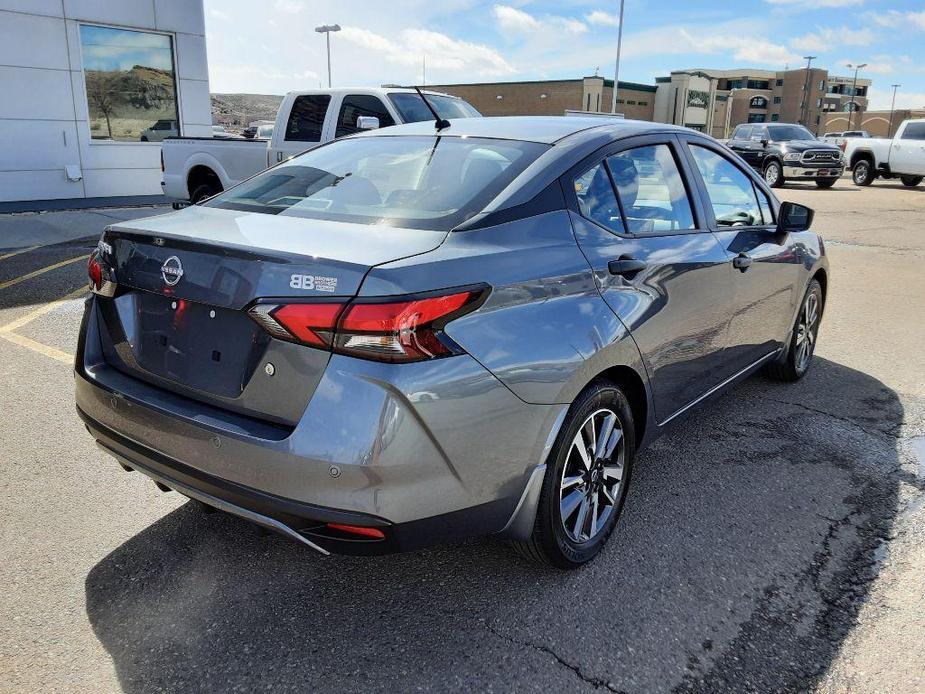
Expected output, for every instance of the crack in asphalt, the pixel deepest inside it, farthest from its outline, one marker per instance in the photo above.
(847, 420)
(595, 682)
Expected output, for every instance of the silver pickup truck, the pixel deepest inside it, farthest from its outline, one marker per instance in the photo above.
(901, 157)
(196, 168)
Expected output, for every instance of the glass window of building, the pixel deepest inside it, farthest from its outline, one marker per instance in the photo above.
(131, 84)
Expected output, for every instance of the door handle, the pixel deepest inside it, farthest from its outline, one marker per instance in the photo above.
(741, 262)
(625, 266)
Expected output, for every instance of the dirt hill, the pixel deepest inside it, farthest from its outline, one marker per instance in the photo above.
(237, 110)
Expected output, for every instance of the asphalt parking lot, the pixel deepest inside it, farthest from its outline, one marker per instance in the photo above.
(774, 541)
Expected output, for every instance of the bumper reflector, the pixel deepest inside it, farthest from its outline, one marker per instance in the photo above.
(374, 533)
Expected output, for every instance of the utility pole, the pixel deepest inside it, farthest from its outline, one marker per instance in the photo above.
(889, 129)
(424, 70)
(804, 103)
(326, 29)
(616, 71)
(854, 92)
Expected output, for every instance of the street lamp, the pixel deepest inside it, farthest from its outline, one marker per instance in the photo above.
(729, 99)
(854, 91)
(805, 103)
(616, 71)
(889, 128)
(326, 29)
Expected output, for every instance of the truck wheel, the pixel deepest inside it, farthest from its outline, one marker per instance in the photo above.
(825, 182)
(202, 192)
(587, 474)
(910, 181)
(774, 174)
(863, 173)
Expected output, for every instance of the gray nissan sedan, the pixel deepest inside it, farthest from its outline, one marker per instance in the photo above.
(425, 333)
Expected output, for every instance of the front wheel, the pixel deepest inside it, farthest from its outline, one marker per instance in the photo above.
(825, 182)
(802, 346)
(910, 181)
(862, 174)
(586, 479)
(774, 174)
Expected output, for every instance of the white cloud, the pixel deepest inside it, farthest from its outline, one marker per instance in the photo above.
(816, 4)
(572, 26)
(747, 49)
(513, 19)
(602, 18)
(895, 19)
(218, 14)
(242, 78)
(827, 38)
(289, 6)
(880, 99)
(443, 52)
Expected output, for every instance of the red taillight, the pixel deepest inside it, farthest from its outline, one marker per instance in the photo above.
(384, 330)
(95, 270)
(374, 533)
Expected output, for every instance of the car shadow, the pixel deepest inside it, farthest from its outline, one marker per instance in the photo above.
(746, 549)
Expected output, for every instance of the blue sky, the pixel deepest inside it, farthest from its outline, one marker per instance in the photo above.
(271, 47)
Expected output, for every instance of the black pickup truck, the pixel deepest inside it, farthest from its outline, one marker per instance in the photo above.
(782, 151)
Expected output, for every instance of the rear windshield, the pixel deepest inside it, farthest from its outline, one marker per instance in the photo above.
(413, 109)
(414, 182)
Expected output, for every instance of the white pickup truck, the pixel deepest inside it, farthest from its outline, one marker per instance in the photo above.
(196, 168)
(902, 157)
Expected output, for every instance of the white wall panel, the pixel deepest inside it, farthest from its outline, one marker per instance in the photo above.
(106, 182)
(180, 15)
(191, 56)
(35, 94)
(37, 144)
(197, 107)
(32, 41)
(37, 185)
(197, 130)
(119, 155)
(51, 8)
(134, 13)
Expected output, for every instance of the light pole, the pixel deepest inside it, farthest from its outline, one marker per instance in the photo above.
(616, 71)
(729, 100)
(326, 29)
(803, 104)
(854, 91)
(889, 128)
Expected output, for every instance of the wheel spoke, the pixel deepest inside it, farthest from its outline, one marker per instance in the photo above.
(578, 530)
(569, 482)
(607, 427)
(615, 439)
(579, 443)
(607, 495)
(568, 505)
(594, 508)
(614, 472)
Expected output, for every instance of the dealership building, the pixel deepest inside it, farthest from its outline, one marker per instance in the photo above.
(715, 101)
(90, 89)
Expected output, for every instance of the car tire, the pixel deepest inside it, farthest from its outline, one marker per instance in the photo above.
(799, 357)
(774, 174)
(825, 182)
(570, 542)
(862, 174)
(910, 181)
(202, 192)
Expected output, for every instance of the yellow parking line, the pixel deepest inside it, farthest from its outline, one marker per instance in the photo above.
(41, 271)
(41, 310)
(21, 250)
(31, 344)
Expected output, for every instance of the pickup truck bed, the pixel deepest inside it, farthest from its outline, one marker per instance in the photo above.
(195, 167)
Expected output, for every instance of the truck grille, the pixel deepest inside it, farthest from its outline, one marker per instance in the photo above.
(822, 156)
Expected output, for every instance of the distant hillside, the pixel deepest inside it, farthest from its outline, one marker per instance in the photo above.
(237, 110)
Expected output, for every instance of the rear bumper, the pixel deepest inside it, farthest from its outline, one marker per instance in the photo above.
(813, 172)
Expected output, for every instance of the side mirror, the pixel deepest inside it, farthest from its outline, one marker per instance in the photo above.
(367, 123)
(794, 217)
(764, 142)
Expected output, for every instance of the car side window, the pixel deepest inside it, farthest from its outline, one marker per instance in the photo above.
(759, 133)
(306, 119)
(596, 199)
(356, 105)
(914, 131)
(651, 190)
(764, 202)
(730, 190)
(741, 132)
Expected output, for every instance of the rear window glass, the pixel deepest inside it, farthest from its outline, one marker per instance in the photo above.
(415, 182)
(307, 117)
(413, 109)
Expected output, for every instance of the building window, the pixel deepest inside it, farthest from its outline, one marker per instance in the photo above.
(776, 99)
(131, 84)
(756, 117)
(643, 103)
(850, 106)
(758, 102)
(759, 84)
(775, 116)
(779, 83)
(821, 85)
(818, 103)
(630, 103)
(735, 84)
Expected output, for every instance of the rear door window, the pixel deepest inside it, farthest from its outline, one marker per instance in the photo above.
(356, 105)
(306, 119)
(915, 130)
(597, 200)
(651, 190)
(731, 192)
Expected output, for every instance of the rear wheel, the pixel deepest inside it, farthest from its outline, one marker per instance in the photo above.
(803, 341)
(202, 192)
(825, 182)
(910, 181)
(774, 174)
(586, 479)
(863, 173)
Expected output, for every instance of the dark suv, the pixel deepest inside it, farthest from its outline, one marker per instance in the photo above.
(782, 151)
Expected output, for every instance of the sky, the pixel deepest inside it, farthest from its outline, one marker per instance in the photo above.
(271, 47)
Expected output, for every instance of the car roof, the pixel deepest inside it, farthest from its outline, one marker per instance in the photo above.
(378, 91)
(542, 129)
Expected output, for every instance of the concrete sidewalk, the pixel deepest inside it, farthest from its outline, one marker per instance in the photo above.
(29, 229)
